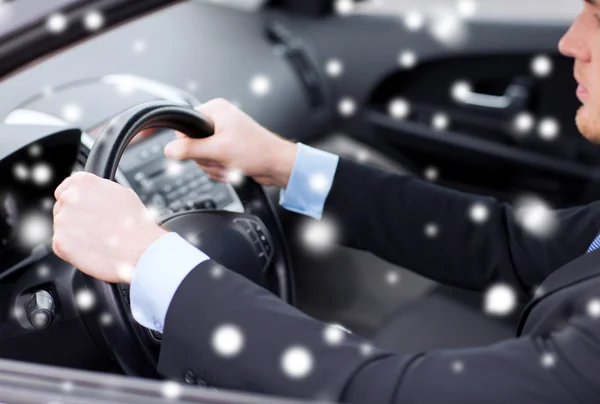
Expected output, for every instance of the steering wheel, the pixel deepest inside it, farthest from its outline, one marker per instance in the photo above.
(242, 242)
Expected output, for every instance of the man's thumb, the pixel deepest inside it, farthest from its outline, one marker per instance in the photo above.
(183, 149)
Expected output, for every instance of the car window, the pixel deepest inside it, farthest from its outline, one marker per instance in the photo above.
(543, 10)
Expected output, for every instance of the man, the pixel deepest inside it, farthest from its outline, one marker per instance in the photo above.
(275, 349)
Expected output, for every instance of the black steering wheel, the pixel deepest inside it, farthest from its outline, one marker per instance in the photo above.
(250, 244)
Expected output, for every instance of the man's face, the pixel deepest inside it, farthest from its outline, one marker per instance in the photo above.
(582, 42)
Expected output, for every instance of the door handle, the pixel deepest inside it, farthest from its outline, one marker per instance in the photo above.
(515, 97)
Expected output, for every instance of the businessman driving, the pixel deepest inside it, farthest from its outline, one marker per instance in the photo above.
(554, 358)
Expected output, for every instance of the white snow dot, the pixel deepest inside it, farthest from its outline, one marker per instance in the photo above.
(67, 386)
(524, 122)
(399, 108)
(85, 299)
(152, 213)
(43, 271)
(125, 273)
(431, 173)
(228, 340)
(235, 177)
(21, 172)
(466, 8)
(362, 156)
(171, 390)
(461, 90)
(48, 203)
(414, 20)
(260, 85)
(548, 360)
(35, 150)
(535, 216)
(407, 59)
(174, 168)
(72, 113)
(93, 20)
(479, 213)
(318, 235)
(431, 230)
(297, 362)
(18, 312)
(392, 277)
(34, 229)
(593, 308)
(57, 23)
(347, 107)
(344, 7)
(41, 174)
(192, 86)
(334, 68)
(447, 26)
(106, 319)
(139, 46)
(457, 367)
(500, 300)
(366, 349)
(47, 91)
(440, 121)
(333, 334)
(216, 272)
(318, 182)
(541, 66)
(549, 128)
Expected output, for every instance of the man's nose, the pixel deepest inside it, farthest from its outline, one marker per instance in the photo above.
(574, 42)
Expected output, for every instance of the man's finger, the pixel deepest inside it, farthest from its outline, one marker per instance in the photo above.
(56, 209)
(185, 149)
(62, 187)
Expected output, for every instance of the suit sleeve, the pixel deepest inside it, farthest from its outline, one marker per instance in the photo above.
(286, 353)
(428, 229)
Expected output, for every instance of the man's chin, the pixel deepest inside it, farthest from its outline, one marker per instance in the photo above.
(588, 124)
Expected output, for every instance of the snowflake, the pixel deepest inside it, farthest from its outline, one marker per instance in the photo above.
(399, 108)
(171, 390)
(235, 177)
(407, 59)
(548, 360)
(593, 308)
(414, 20)
(21, 172)
(344, 7)
(347, 107)
(392, 277)
(461, 90)
(260, 85)
(93, 20)
(431, 230)
(549, 128)
(57, 23)
(535, 216)
(541, 66)
(72, 113)
(34, 229)
(297, 362)
(479, 212)
(524, 122)
(319, 183)
(85, 299)
(228, 340)
(334, 334)
(440, 121)
(431, 173)
(457, 367)
(41, 174)
(500, 300)
(334, 68)
(319, 235)
(466, 8)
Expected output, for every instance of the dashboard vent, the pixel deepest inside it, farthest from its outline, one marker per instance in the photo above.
(290, 47)
(82, 156)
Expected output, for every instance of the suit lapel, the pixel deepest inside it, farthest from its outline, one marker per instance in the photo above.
(585, 267)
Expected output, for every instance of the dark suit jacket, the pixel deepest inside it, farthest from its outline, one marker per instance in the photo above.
(555, 358)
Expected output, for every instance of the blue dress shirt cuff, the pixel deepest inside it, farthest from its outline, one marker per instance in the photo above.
(310, 181)
(158, 274)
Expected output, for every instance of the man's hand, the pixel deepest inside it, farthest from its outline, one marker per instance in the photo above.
(101, 228)
(239, 144)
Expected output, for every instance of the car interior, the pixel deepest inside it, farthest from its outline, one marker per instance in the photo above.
(363, 86)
